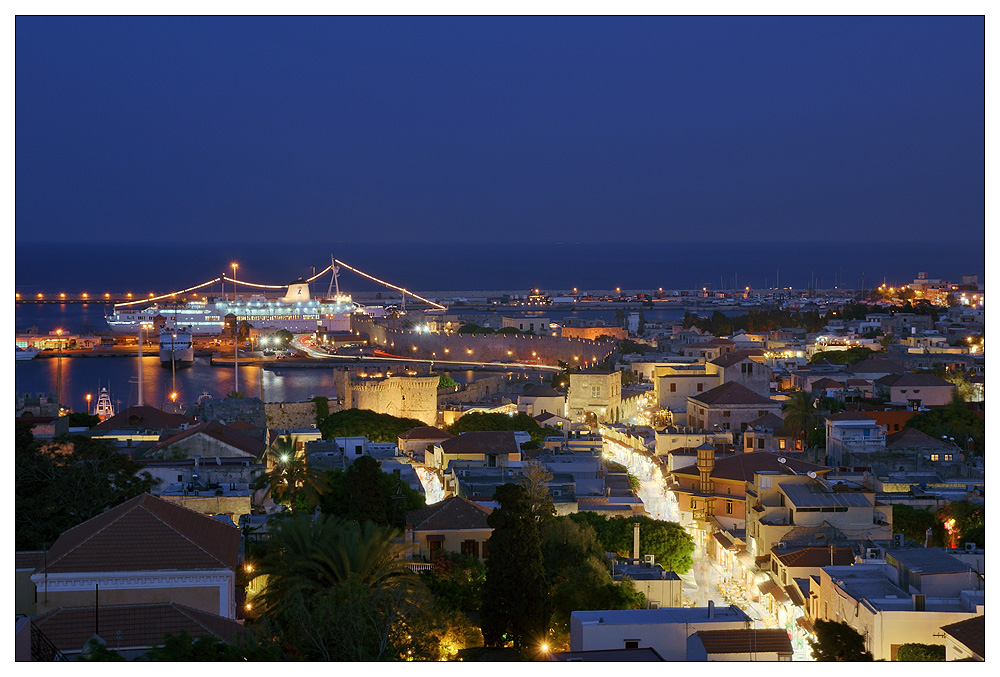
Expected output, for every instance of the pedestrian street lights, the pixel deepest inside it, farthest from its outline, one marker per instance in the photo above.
(88, 404)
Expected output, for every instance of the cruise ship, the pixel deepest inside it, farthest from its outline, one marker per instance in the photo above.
(296, 312)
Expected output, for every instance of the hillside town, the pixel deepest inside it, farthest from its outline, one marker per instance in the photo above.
(777, 477)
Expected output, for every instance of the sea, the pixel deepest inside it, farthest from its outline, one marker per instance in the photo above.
(435, 270)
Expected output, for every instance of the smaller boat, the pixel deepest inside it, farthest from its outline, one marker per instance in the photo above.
(25, 353)
(176, 347)
(104, 409)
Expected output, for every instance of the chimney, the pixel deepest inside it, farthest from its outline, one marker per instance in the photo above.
(635, 541)
(711, 609)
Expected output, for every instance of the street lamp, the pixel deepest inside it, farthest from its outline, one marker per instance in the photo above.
(236, 337)
(88, 404)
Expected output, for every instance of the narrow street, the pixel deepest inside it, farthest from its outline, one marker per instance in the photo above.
(706, 581)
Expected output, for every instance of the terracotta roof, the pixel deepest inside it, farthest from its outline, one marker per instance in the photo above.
(482, 442)
(925, 380)
(729, 359)
(146, 533)
(731, 393)
(29, 559)
(768, 421)
(858, 382)
(452, 513)
(643, 655)
(815, 557)
(229, 436)
(970, 632)
(745, 641)
(426, 432)
(743, 466)
(911, 438)
(826, 383)
(131, 626)
(147, 417)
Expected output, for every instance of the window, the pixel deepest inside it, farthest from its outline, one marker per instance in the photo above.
(357, 449)
(729, 507)
(729, 491)
(726, 414)
(765, 482)
(673, 387)
(760, 443)
(470, 547)
(595, 392)
(934, 457)
(701, 386)
(947, 457)
(781, 444)
(631, 644)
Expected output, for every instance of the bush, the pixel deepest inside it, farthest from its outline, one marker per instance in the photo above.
(921, 652)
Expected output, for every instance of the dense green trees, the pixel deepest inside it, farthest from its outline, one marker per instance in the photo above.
(913, 523)
(954, 420)
(516, 605)
(65, 483)
(482, 421)
(364, 491)
(848, 357)
(921, 652)
(838, 642)
(667, 541)
(362, 422)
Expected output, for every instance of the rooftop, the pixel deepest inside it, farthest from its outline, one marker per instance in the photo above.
(698, 614)
(732, 393)
(740, 641)
(971, 633)
(815, 495)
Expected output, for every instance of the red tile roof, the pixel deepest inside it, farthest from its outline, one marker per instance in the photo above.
(28, 559)
(146, 533)
(131, 626)
(922, 380)
(238, 440)
(452, 513)
(731, 393)
(911, 438)
(815, 557)
(970, 632)
(482, 442)
(729, 359)
(147, 418)
(745, 641)
(743, 466)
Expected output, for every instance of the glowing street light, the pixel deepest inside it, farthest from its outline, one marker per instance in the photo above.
(88, 404)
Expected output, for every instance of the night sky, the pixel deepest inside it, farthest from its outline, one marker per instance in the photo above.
(499, 129)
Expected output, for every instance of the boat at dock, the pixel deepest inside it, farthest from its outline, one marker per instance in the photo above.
(176, 347)
(25, 353)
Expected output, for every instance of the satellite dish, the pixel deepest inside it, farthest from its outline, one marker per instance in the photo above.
(781, 459)
(812, 474)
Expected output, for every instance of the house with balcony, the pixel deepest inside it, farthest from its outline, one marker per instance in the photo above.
(852, 436)
(455, 524)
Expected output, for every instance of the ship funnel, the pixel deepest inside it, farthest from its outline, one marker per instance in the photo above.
(297, 291)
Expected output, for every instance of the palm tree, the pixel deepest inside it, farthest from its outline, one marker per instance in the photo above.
(310, 554)
(289, 474)
(801, 416)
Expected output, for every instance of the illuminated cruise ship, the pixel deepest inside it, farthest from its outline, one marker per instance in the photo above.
(295, 312)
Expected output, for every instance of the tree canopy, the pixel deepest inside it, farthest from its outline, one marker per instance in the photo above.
(67, 482)
(671, 546)
(848, 357)
(364, 422)
(836, 641)
(365, 491)
(516, 604)
(955, 420)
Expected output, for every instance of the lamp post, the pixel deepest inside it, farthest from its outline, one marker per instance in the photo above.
(236, 337)
(88, 404)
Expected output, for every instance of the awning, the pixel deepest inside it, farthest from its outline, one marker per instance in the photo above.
(805, 624)
(746, 559)
(771, 588)
(723, 541)
(795, 594)
(435, 537)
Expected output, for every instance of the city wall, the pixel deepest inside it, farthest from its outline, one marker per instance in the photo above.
(548, 350)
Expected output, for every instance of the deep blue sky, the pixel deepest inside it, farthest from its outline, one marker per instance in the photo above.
(422, 129)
